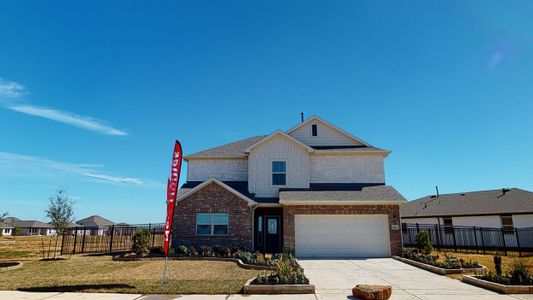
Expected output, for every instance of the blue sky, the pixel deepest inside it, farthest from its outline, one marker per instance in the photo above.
(93, 94)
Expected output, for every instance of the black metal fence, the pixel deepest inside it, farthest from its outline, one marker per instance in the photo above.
(473, 238)
(107, 239)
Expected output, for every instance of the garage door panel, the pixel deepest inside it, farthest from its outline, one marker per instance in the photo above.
(342, 236)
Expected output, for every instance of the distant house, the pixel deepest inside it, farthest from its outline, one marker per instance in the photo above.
(502, 208)
(30, 227)
(6, 229)
(96, 224)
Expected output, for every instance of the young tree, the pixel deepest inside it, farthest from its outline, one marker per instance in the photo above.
(60, 212)
(3, 216)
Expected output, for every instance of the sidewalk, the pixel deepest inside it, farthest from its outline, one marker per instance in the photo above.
(15, 295)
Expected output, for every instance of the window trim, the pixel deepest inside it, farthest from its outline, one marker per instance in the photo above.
(448, 228)
(507, 229)
(273, 173)
(314, 130)
(211, 224)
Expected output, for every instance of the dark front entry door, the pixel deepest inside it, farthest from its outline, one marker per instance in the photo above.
(272, 234)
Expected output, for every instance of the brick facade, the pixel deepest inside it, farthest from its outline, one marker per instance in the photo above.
(213, 199)
(393, 211)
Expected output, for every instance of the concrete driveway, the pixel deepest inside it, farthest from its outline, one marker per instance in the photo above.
(334, 279)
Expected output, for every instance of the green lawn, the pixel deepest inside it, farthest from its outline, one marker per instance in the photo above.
(101, 274)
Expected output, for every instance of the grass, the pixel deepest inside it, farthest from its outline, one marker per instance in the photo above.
(27, 247)
(101, 274)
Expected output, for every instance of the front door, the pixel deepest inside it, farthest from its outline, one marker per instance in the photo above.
(272, 234)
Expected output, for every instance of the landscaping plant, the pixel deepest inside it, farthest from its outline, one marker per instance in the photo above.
(141, 241)
(423, 243)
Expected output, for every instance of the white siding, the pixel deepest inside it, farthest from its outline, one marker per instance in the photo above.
(478, 221)
(260, 166)
(481, 221)
(326, 136)
(522, 221)
(346, 169)
(431, 221)
(222, 169)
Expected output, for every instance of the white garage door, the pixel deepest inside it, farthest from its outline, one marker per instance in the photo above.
(342, 236)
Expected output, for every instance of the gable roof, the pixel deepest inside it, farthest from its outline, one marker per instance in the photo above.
(231, 150)
(382, 194)
(10, 220)
(491, 202)
(30, 223)
(183, 193)
(95, 220)
(316, 118)
(279, 133)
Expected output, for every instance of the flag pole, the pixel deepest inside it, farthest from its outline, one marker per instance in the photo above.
(172, 190)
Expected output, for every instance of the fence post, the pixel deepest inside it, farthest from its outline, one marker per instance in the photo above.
(417, 228)
(83, 240)
(153, 237)
(75, 238)
(503, 241)
(475, 239)
(111, 240)
(437, 237)
(62, 243)
(454, 240)
(517, 242)
(482, 239)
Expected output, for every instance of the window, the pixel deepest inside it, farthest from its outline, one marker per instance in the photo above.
(507, 224)
(272, 226)
(212, 224)
(448, 225)
(279, 173)
(314, 130)
(260, 230)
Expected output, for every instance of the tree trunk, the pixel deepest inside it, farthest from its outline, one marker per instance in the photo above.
(42, 246)
(55, 248)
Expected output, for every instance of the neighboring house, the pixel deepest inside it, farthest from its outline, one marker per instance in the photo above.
(315, 190)
(96, 225)
(30, 227)
(503, 208)
(6, 229)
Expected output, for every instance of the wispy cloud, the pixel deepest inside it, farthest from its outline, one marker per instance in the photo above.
(116, 179)
(494, 60)
(10, 92)
(13, 164)
(67, 118)
(11, 89)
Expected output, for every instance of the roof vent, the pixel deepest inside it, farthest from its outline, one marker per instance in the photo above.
(504, 190)
(433, 196)
(462, 194)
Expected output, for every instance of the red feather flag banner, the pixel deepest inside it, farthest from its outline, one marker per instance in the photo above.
(172, 190)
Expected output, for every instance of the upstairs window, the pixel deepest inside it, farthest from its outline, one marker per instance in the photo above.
(314, 130)
(507, 224)
(448, 225)
(279, 173)
(212, 224)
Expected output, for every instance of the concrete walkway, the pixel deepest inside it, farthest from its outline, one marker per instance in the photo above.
(334, 279)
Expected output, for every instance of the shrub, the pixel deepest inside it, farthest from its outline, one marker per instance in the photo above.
(218, 250)
(192, 251)
(16, 231)
(519, 273)
(423, 242)
(205, 250)
(498, 264)
(141, 241)
(182, 249)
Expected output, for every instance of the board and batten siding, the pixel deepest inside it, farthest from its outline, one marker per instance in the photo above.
(346, 169)
(326, 136)
(260, 166)
(221, 169)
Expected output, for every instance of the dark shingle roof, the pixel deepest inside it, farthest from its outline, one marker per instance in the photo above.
(235, 149)
(5, 225)
(470, 203)
(30, 223)
(369, 193)
(95, 221)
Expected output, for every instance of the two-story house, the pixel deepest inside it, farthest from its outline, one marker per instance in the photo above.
(314, 189)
